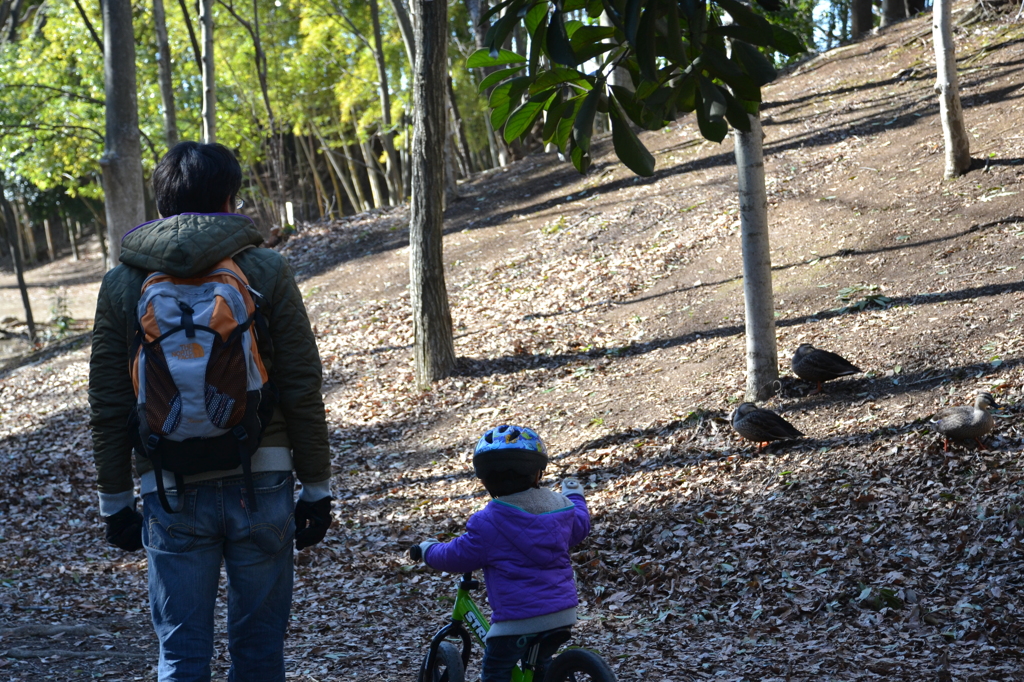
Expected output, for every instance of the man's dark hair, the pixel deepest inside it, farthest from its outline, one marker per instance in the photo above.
(501, 483)
(196, 178)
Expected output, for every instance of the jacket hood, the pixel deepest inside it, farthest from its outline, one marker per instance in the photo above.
(189, 244)
(541, 538)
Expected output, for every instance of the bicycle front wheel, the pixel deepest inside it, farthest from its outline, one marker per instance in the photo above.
(447, 665)
(578, 665)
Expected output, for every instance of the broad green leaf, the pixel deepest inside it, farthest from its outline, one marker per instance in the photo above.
(573, 5)
(522, 119)
(505, 98)
(595, 8)
(497, 8)
(583, 128)
(589, 34)
(754, 63)
(497, 77)
(483, 58)
(580, 159)
(631, 19)
(593, 50)
(686, 100)
(537, 45)
(787, 43)
(743, 86)
(555, 111)
(572, 26)
(500, 30)
(646, 54)
(715, 130)
(556, 76)
(735, 114)
(559, 48)
(537, 14)
(711, 96)
(628, 147)
(744, 16)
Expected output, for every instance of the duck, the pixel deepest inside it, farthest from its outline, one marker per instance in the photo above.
(817, 365)
(966, 422)
(761, 426)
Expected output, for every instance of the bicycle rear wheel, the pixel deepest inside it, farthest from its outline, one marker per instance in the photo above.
(447, 665)
(578, 665)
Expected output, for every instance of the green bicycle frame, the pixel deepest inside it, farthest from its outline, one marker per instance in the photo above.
(468, 617)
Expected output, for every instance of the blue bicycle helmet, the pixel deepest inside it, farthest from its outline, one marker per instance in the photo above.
(509, 448)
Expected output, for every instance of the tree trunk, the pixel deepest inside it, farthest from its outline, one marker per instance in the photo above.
(954, 133)
(122, 159)
(27, 236)
(357, 182)
(460, 129)
(433, 345)
(373, 172)
(209, 82)
(164, 74)
(762, 354)
(333, 162)
(10, 229)
(73, 237)
(893, 11)
(50, 253)
(387, 135)
(318, 183)
(405, 27)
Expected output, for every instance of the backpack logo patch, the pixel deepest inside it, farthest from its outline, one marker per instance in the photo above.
(188, 351)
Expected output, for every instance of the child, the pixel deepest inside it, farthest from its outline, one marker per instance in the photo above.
(521, 539)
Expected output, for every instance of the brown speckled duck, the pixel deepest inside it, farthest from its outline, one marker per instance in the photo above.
(966, 422)
(761, 426)
(816, 365)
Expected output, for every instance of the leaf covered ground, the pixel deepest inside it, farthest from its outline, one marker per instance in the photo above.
(606, 311)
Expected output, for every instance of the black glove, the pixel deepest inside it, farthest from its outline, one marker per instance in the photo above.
(312, 519)
(124, 529)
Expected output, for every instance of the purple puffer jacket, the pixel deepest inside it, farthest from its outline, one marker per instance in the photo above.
(525, 557)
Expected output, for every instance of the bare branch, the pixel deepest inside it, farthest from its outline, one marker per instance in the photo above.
(88, 25)
(65, 93)
(196, 52)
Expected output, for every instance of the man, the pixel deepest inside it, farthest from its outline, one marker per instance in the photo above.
(196, 185)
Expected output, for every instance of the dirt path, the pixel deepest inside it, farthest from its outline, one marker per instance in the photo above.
(606, 311)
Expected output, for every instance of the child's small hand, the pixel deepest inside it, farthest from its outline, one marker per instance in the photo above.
(571, 486)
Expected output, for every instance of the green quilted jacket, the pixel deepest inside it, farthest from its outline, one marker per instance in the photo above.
(186, 246)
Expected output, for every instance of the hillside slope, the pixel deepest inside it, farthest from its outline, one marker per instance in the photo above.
(606, 311)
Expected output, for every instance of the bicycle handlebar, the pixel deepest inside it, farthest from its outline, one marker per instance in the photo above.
(415, 553)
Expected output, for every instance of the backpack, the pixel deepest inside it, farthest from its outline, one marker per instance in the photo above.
(204, 396)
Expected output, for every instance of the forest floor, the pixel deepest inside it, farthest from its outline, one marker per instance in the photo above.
(606, 311)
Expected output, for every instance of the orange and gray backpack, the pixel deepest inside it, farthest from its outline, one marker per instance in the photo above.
(204, 396)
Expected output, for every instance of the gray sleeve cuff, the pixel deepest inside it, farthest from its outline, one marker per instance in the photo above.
(111, 503)
(311, 492)
(425, 545)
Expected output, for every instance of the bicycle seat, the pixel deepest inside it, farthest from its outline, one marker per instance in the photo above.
(555, 638)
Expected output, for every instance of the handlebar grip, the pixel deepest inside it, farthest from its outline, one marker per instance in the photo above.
(415, 553)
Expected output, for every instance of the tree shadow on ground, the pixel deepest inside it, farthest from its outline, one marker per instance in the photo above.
(509, 364)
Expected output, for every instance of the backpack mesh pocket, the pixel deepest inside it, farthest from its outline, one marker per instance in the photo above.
(226, 382)
(163, 400)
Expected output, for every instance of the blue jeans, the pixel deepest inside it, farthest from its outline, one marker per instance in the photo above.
(185, 551)
(502, 653)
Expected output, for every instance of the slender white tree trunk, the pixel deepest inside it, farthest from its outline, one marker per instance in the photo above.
(164, 74)
(122, 159)
(433, 345)
(954, 134)
(762, 354)
(209, 82)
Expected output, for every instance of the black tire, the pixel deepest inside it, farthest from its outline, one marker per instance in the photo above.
(578, 665)
(447, 665)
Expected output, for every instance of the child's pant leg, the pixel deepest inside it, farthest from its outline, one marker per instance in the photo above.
(502, 654)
